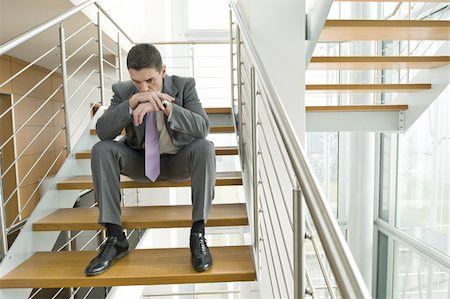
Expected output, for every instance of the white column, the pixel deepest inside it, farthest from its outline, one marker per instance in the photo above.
(361, 166)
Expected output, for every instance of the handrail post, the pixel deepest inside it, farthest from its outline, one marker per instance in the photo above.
(239, 94)
(299, 242)
(119, 54)
(4, 240)
(100, 57)
(255, 182)
(62, 40)
(231, 58)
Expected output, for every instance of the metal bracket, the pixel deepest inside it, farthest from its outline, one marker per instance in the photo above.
(401, 120)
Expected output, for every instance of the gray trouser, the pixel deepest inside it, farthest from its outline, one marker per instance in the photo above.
(111, 158)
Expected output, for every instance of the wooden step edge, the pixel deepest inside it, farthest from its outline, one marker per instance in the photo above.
(140, 267)
(143, 217)
(229, 178)
(220, 151)
(376, 62)
(367, 87)
(356, 108)
(389, 23)
(218, 110)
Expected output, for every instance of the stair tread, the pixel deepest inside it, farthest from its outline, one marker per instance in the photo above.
(384, 107)
(376, 62)
(227, 178)
(139, 267)
(220, 151)
(367, 87)
(341, 30)
(142, 217)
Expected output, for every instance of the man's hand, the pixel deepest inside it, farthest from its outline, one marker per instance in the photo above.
(145, 102)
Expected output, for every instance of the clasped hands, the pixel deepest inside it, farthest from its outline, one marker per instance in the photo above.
(144, 102)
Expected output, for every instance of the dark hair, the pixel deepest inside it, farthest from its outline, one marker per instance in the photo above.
(144, 56)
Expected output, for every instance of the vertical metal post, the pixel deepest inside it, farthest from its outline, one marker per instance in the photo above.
(239, 94)
(4, 236)
(192, 52)
(231, 57)
(119, 54)
(69, 248)
(100, 57)
(62, 41)
(299, 241)
(255, 164)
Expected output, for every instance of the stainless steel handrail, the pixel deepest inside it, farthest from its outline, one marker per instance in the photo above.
(348, 277)
(44, 26)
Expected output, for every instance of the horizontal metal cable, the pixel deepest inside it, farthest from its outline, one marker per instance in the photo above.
(83, 64)
(83, 101)
(57, 293)
(81, 122)
(79, 30)
(109, 50)
(278, 219)
(82, 84)
(92, 238)
(30, 91)
(110, 64)
(70, 240)
(80, 48)
(29, 118)
(29, 144)
(26, 148)
(28, 66)
(40, 182)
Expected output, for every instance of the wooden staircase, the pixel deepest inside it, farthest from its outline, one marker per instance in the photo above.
(140, 266)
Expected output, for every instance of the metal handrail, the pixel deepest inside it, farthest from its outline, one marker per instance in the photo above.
(345, 270)
(54, 21)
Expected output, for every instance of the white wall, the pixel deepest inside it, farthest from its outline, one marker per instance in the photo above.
(278, 31)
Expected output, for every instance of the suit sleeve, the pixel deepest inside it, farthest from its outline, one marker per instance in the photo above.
(115, 118)
(190, 119)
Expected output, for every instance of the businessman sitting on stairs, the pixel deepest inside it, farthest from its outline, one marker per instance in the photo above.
(165, 127)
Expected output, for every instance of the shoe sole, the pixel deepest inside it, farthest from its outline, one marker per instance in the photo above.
(104, 270)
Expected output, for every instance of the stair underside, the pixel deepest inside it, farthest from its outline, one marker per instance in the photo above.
(220, 151)
(346, 30)
(142, 217)
(229, 178)
(366, 87)
(139, 267)
(376, 62)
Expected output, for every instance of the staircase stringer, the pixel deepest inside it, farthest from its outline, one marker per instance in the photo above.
(419, 101)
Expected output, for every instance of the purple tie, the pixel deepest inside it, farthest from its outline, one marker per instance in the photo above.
(151, 147)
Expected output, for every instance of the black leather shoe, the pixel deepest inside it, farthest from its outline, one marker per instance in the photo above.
(112, 250)
(201, 258)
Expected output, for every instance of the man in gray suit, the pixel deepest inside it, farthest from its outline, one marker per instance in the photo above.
(184, 153)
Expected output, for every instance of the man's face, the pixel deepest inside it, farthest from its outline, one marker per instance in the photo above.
(148, 79)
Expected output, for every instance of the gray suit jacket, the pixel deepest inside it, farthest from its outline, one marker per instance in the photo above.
(188, 122)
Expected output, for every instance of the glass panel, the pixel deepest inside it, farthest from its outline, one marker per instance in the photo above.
(417, 277)
(322, 151)
(207, 14)
(382, 266)
(424, 176)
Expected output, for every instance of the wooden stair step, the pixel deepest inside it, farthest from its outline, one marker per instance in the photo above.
(229, 178)
(139, 267)
(376, 62)
(220, 151)
(346, 30)
(142, 217)
(433, 1)
(212, 129)
(366, 87)
(356, 108)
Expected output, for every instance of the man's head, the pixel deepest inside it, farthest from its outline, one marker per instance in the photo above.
(145, 67)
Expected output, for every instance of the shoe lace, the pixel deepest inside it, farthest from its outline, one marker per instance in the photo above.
(201, 245)
(106, 248)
